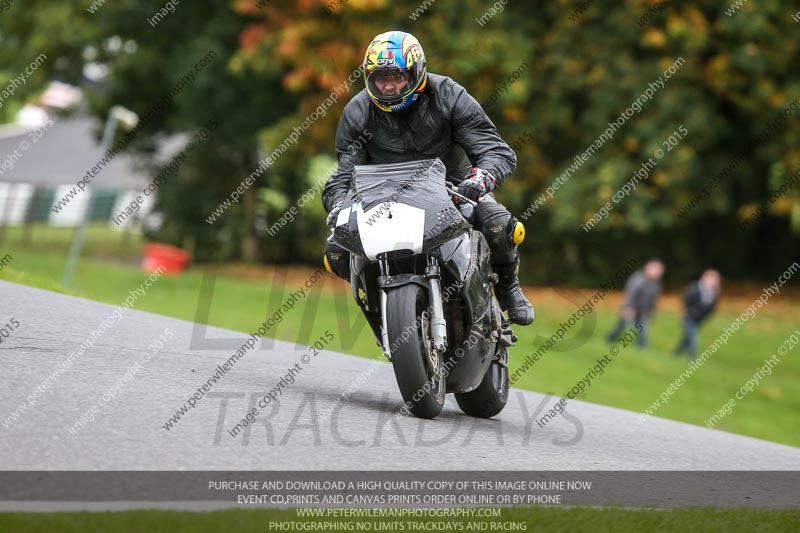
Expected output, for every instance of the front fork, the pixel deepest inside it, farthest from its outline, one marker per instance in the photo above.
(385, 329)
(438, 323)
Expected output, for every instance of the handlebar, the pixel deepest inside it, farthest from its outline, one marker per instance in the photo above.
(453, 191)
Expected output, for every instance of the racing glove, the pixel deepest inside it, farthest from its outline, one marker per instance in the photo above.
(334, 214)
(477, 184)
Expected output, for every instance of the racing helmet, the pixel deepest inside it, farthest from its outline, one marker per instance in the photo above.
(395, 70)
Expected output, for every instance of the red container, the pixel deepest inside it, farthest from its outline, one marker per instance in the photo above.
(172, 258)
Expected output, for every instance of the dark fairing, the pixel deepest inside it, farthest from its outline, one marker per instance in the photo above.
(416, 183)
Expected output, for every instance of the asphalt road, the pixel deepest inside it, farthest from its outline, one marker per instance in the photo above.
(364, 432)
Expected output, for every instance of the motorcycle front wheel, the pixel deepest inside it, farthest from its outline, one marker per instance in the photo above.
(418, 368)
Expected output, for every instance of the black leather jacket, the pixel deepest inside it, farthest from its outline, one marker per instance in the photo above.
(445, 122)
(696, 308)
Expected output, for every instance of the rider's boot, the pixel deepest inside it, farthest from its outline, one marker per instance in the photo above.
(509, 294)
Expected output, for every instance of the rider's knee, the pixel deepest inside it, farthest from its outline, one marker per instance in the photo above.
(504, 234)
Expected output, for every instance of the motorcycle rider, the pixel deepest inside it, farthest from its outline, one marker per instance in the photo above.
(413, 115)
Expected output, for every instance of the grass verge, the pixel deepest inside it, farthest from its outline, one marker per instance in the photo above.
(531, 519)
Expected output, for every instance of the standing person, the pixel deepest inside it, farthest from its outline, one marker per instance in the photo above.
(699, 301)
(641, 294)
(414, 114)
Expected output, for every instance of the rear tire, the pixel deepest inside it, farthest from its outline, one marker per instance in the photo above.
(417, 368)
(491, 395)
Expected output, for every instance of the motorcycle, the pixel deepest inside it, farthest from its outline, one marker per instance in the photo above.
(422, 278)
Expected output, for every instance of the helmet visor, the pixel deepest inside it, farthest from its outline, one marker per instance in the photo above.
(389, 85)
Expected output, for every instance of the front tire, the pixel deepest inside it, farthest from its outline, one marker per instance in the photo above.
(418, 368)
(490, 397)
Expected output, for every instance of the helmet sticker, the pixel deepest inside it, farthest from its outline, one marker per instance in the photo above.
(413, 55)
(386, 59)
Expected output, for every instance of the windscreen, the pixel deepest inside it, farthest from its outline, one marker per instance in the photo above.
(416, 183)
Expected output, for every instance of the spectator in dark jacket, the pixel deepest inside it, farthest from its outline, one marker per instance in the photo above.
(699, 300)
(641, 294)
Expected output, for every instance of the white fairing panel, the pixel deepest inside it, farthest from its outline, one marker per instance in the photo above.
(344, 216)
(390, 226)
